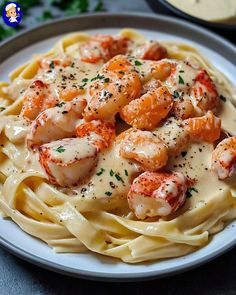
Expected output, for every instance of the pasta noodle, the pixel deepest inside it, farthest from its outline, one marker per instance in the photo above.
(68, 221)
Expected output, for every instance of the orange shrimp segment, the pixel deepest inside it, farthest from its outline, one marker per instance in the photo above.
(36, 99)
(150, 50)
(68, 161)
(143, 147)
(117, 64)
(102, 47)
(113, 91)
(183, 108)
(55, 123)
(70, 93)
(148, 110)
(157, 194)
(205, 128)
(204, 91)
(223, 161)
(105, 132)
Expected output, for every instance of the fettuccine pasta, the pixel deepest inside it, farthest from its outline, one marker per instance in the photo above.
(73, 147)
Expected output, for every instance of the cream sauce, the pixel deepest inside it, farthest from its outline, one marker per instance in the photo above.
(209, 10)
(110, 176)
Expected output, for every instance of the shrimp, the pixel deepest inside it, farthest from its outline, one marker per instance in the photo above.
(223, 161)
(148, 70)
(204, 93)
(102, 48)
(50, 63)
(55, 123)
(36, 99)
(155, 194)
(147, 111)
(173, 134)
(185, 80)
(116, 88)
(183, 108)
(205, 128)
(105, 132)
(68, 161)
(150, 50)
(144, 147)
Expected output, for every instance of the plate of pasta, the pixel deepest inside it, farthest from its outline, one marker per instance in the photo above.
(118, 146)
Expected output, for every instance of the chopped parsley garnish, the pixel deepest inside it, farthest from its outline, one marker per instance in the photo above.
(100, 172)
(2, 109)
(112, 172)
(61, 104)
(108, 193)
(60, 149)
(85, 80)
(176, 94)
(222, 97)
(184, 153)
(117, 176)
(181, 80)
(137, 63)
(181, 71)
(98, 77)
(190, 190)
(52, 65)
(106, 80)
(121, 72)
(82, 86)
(126, 173)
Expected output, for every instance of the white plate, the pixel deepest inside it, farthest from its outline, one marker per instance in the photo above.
(88, 264)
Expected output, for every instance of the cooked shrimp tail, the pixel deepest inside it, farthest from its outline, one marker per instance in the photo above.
(157, 194)
(223, 161)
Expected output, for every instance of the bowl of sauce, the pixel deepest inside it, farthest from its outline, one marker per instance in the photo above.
(218, 15)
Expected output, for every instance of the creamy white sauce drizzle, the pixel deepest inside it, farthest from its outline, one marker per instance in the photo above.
(209, 10)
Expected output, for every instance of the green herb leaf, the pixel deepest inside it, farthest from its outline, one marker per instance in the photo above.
(112, 172)
(85, 80)
(100, 172)
(61, 104)
(76, 6)
(98, 77)
(176, 94)
(60, 149)
(126, 173)
(222, 97)
(100, 6)
(181, 80)
(106, 80)
(117, 176)
(82, 86)
(52, 65)
(108, 193)
(46, 15)
(190, 190)
(2, 109)
(121, 72)
(137, 63)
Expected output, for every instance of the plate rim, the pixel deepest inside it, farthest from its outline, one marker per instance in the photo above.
(10, 46)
